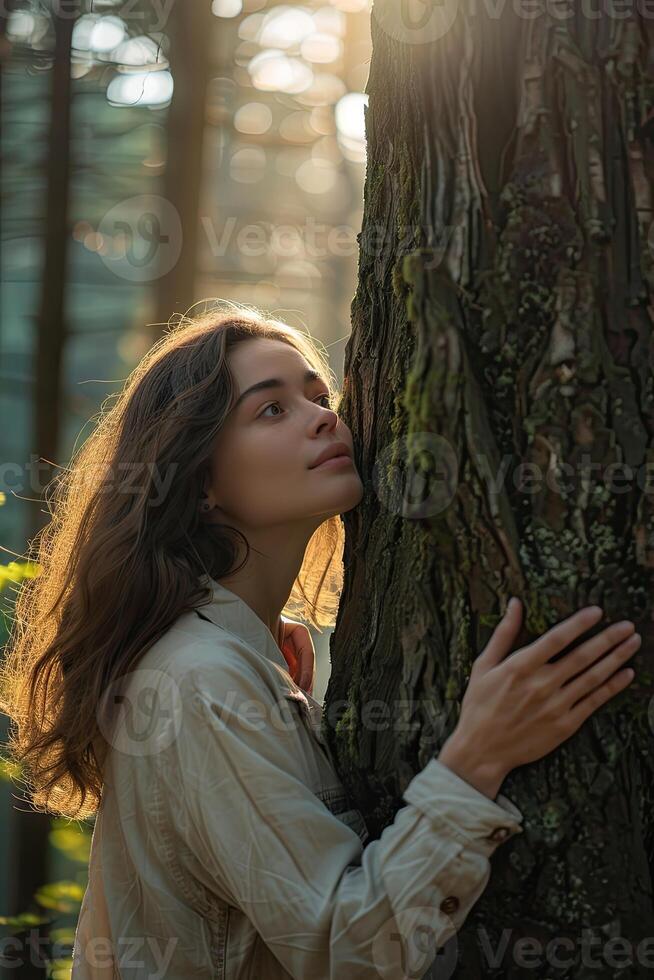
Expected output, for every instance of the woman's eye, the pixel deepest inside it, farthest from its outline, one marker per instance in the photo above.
(273, 404)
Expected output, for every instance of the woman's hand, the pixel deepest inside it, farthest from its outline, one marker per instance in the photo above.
(517, 709)
(299, 653)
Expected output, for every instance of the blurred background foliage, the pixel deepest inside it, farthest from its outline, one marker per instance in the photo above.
(154, 154)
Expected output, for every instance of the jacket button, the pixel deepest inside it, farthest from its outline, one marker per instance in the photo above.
(499, 834)
(449, 904)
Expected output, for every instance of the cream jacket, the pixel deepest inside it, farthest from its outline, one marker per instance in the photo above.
(225, 845)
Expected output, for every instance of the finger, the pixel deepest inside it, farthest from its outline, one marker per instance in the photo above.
(306, 661)
(291, 659)
(307, 670)
(558, 637)
(581, 657)
(289, 629)
(302, 643)
(303, 669)
(591, 679)
(312, 674)
(300, 640)
(585, 708)
(289, 646)
(504, 635)
(299, 653)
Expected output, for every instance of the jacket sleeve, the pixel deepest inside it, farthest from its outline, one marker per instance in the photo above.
(326, 906)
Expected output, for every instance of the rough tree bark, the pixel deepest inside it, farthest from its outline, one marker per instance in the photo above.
(503, 317)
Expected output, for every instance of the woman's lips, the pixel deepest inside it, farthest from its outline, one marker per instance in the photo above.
(334, 462)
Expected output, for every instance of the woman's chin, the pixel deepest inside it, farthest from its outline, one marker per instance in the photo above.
(340, 499)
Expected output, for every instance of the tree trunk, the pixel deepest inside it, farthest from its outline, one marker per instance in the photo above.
(503, 318)
(191, 28)
(51, 327)
(30, 829)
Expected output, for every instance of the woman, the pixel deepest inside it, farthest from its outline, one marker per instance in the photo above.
(178, 699)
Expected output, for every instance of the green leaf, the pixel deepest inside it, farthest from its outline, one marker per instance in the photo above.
(74, 843)
(63, 896)
(24, 920)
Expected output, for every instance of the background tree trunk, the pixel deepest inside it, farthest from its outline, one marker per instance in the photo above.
(30, 829)
(191, 29)
(503, 317)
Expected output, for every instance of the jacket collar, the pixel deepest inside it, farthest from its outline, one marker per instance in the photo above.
(232, 613)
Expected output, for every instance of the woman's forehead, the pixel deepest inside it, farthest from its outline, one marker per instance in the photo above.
(250, 357)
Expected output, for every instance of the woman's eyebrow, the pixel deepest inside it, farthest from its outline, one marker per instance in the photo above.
(274, 383)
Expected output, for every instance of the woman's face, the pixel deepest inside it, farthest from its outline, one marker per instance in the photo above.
(260, 470)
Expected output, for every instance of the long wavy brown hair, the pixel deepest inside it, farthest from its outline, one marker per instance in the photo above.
(120, 561)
